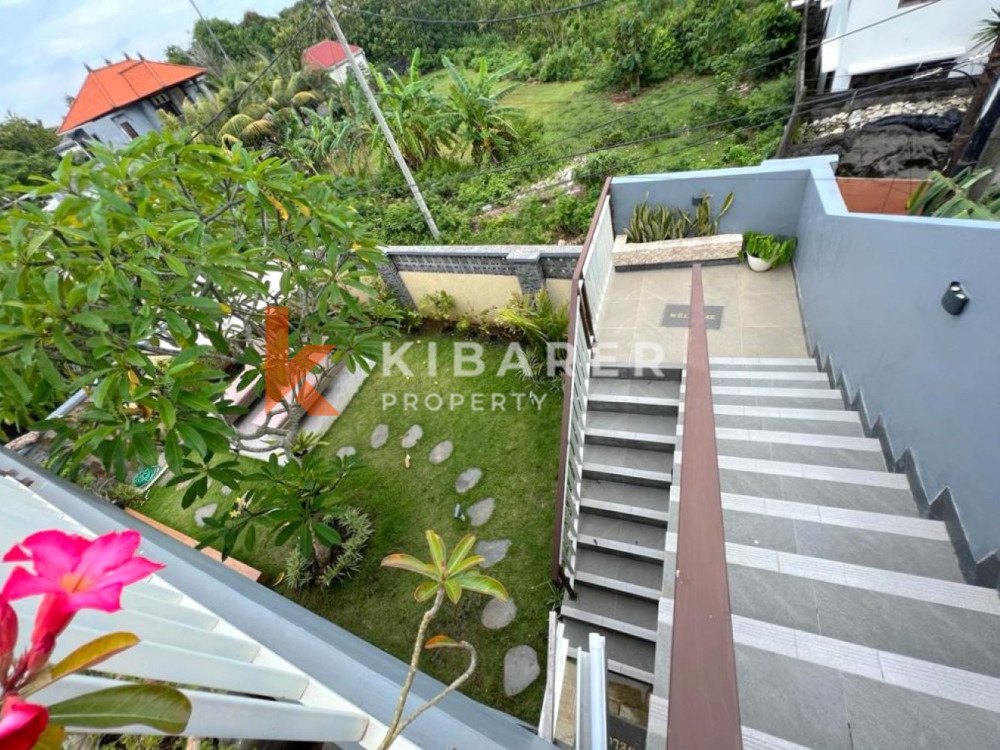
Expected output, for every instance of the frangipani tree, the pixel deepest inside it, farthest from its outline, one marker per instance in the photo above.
(149, 282)
(447, 576)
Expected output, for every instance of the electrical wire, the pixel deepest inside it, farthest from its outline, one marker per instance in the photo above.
(470, 22)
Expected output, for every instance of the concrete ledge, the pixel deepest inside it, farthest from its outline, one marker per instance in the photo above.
(721, 248)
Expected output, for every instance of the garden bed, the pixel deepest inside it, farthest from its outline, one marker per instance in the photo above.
(517, 451)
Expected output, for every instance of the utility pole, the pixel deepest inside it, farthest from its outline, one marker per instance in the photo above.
(211, 33)
(977, 104)
(373, 105)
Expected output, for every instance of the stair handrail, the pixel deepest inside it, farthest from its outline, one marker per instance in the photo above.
(703, 708)
(581, 336)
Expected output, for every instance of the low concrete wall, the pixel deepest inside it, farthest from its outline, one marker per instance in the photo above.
(479, 277)
(870, 289)
(473, 293)
(767, 198)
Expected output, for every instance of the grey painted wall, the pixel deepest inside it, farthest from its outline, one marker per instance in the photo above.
(108, 131)
(768, 198)
(870, 288)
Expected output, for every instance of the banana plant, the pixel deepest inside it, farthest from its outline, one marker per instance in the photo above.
(950, 197)
(447, 576)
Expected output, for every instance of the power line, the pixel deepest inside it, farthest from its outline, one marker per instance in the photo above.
(470, 22)
(246, 89)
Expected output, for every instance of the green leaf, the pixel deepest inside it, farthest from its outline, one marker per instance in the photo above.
(175, 265)
(453, 588)
(90, 320)
(173, 452)
(167, 412)
(426, 590)
(483, 585)
(459, 553)
(192, 438)
(326, 534)
(438, 552)
(157, 706)
(410, 563)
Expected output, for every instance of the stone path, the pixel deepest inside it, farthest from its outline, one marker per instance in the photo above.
(498, 614)
(379, 435)
(346, 452)
(467, 480)
(205, 511)
(412, 436)
(441, 452)
(480, 512)
(493, 552)
(520, 669)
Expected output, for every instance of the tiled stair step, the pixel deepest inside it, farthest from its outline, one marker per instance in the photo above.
(664, 426)
(633, 404)
(907, 545)
(770, 379)
(650, 441)
(955, 594)
(636, 371)
(626, 656)
(621, 500)
(642, 578)
(816, 421)
(627, 465)
(753, 739)
(800, 447)
(793, 364)
(794, 398)
(624, 537)
(823, 692)
(634, 387)
(813, 472)
(620, 612)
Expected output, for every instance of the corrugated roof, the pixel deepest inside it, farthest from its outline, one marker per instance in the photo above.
(327, 54)
(113, 86)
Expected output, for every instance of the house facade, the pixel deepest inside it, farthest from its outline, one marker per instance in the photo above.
(925, 35)
(123, 100)
(332, 57)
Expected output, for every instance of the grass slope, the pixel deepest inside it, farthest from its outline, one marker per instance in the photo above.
(518, 453)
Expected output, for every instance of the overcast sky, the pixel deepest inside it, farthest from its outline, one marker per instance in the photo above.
(46, 42)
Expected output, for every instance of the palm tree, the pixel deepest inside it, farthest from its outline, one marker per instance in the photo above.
(988, 35)
(269, 109)
(490, 128)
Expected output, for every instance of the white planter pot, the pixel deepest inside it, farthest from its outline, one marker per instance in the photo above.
(758, 265)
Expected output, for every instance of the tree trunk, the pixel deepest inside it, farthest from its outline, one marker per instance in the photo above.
(984, 84)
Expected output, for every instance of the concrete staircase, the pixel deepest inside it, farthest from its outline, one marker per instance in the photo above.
(625, 500)
(853, 625)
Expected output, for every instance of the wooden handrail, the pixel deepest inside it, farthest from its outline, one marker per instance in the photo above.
(704, 709)
(567, 406)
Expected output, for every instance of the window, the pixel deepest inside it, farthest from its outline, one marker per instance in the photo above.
(126, 127)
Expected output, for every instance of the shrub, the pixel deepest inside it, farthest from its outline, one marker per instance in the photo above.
(596, 168)
(671, 223)
(564, 63)
(356, 528)
(124, 495)
(438, 306)
(536, 320)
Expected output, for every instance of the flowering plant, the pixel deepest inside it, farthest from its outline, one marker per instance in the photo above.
(71, 573)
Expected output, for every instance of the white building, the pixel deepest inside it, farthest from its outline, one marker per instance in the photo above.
(926, 34)
(332, 57)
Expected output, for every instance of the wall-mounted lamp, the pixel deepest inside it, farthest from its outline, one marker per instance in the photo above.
(955, 299)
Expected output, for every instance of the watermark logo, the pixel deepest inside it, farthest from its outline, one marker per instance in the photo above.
(283, 375)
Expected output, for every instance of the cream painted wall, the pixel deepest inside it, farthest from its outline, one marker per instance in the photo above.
(473, 293)
(559, 290)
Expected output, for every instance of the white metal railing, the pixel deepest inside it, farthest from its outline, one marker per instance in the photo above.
(237, 688)
(592, 696)
(598, 265)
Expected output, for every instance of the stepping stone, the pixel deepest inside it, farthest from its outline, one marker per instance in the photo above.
(205, 511)
(226, 491)
(441, 452)
(346, 452)
(480, 512)
(467, 480)
(380, 435)
(412, 436)
(520, 669)
(493, 552)
(498, 614)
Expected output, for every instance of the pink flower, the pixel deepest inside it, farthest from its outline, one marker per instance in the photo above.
(21, 724)
(8, 628)
(74, 573)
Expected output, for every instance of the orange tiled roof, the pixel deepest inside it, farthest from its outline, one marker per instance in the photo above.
(326, 54)
(113, 86)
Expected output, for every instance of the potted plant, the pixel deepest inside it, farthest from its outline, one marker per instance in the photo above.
(765, 251)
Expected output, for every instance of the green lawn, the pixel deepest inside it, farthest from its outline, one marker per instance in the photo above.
(517, 451)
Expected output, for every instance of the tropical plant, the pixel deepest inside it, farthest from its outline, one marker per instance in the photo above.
(775, 249)
(538, 321)
(951, 198)
(438, 306)
(356, 528)
(295, 500)
(987, 36)
(490, 128)
(671, 223)
(628, 61)
(447, 575)
(416, 115)
(305, 442)
(269, 110)
(159, 250)
(72, 573)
